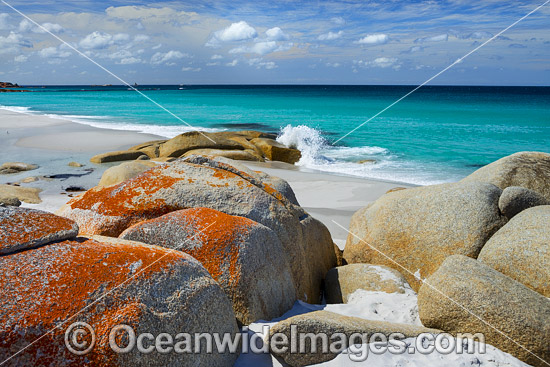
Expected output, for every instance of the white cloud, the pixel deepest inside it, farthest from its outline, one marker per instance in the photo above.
(338, 20)
(96, 40)
(438, 38)
(233, 63)
(165, 57)
(260, 63)
(374, 39)
(121, 38)
(13, 43)
(156, 47)
(53, 53)
(129, 61)
(189, 68)
(330, 36)
(262, 48)
(20, 58)
(413, 49)
(380, 62)
(276, 34)
(100, 40)
(216, 57)
(51, 27)
(333, 64)
(239, 31)
(4, 21)
(27, 26)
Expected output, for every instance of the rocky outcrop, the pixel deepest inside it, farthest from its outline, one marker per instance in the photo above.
(183, 143)
(515, 199)
(16, 167)
(334, 326)
(238, 145)
(467, 296)
(103, 283)
(201, 182)
(118, 156)
(22, 229)
(525, 169)
(243, 256)
(123, 172)
(148, 288)
(275, 151)
(342, 281)
(240, 155)
(419, 227)
(521, 249)
(29, 195)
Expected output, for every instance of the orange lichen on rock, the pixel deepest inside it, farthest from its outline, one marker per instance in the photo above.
(43, 287)
(217, 239)
(22, 228)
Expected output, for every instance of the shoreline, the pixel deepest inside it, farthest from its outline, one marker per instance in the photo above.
(53, 143)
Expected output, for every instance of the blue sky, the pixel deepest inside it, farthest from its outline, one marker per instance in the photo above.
(275, 42)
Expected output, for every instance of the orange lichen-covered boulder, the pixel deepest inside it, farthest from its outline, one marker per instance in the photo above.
(242, 255)
(151, 289)
(22, 229)
(216, 184)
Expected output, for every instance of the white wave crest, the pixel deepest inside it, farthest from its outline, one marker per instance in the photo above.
(307, 140)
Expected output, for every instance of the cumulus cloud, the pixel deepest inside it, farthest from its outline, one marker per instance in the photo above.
(330, 36)
(276, 34)
(240, 31)
(27, 26)
(53, 52)
(262, 48)
(216, 57)
(380, 62)
(233, 63)
(260, 63)
(374, 39)
(13, 43)
(438, 38)
(96, 40)
(129, 61)
(100, 40)
(333, 64)
(166, 57)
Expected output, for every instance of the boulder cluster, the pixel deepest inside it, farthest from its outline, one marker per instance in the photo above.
(195, 245)
(240, 145)
(476, 251)
(204, 244)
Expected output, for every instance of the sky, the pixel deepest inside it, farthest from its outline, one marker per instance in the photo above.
(274, 42)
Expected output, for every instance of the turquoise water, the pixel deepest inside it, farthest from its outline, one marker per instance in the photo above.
(438, 134)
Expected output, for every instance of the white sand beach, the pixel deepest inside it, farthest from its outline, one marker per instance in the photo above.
(53, 143)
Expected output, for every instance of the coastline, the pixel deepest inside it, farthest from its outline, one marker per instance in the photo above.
(53, 143)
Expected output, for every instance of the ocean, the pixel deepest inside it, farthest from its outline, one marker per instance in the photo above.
(438, 134)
